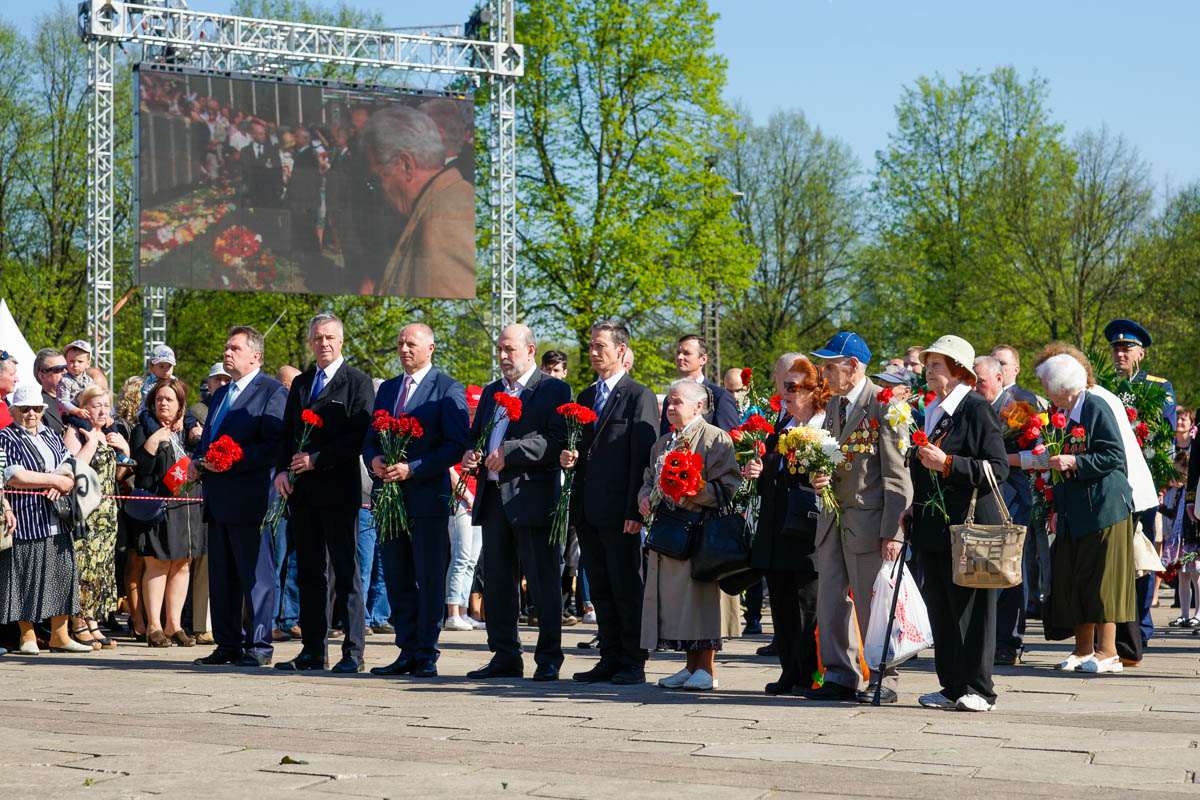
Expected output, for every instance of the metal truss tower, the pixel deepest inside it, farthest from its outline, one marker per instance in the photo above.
(270, 47)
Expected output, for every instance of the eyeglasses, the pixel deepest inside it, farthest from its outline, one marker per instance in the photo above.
(27, 409)
(789, 386)
(59, 368)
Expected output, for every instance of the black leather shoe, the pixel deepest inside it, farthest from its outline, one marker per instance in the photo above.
(784, 685)
(590, 644)
(348, 665)
(768, 649)
(218, 657)
(302, 663)
(833, 692)
(630, 676)
(546, 672)
(495, 670)
(424, 669)
(597, 674)
(401, 666)
(251, 660)
(1007, 658)
(867, 695)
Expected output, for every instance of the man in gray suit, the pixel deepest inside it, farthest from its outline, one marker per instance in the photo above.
(872, 492)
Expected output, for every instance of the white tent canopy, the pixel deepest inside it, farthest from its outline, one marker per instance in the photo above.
(13, 341)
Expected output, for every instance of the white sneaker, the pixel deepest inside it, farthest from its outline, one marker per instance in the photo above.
(677, 680)
(456, 624)
(1093, 665)
(590, 617)
(973, 702)
(475, 624)
(1072, 661)
(700, 681)
(936, 700)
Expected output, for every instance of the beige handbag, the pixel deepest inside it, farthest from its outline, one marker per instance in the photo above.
(987, 556)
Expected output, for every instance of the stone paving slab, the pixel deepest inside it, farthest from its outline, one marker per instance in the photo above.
(138, 722)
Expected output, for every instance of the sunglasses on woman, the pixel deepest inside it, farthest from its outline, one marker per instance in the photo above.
(27, 409)
(793, 387)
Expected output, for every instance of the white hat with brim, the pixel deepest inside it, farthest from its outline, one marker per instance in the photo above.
(27, 395)
(955, 348)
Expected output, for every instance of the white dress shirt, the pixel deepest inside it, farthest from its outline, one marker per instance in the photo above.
(497, 435)
(329, 371)
(939, 408)
(412, 382)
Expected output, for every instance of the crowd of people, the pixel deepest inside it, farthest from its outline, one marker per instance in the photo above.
(183, 539)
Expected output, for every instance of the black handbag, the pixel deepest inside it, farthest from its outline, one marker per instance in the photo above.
(723, 548)
(673, 533)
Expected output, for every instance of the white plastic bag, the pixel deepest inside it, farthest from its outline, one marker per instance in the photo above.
(910, 632)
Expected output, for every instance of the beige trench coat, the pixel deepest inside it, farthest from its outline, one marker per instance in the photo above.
(674, 606)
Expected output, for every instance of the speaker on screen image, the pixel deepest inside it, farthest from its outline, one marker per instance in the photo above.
(252, 185)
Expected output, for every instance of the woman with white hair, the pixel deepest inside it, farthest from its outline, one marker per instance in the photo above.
(679, 613)
(1092, 585)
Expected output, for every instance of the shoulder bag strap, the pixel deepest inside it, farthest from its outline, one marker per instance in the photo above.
(991, 478)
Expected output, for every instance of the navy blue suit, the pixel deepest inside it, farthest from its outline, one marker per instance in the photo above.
(240, 566)
(414, 568)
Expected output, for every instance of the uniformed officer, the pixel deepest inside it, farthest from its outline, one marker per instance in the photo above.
(1129, 342)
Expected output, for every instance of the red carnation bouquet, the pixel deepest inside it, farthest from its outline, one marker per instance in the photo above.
(312, 420)
(577, 416)
(507, 406)
(681, 476)
(938, 500)
(387, 501)
(220, 456)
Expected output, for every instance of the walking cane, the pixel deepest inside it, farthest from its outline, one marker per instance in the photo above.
(887, 638)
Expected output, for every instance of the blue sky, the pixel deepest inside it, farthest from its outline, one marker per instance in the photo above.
(1131, 66)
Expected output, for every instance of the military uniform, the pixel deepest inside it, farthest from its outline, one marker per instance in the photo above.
(1169, 403)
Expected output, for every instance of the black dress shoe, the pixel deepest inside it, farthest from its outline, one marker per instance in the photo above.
(629, 676)
(867, 695)
(251, 660)
(753, 627)
(218, 657)
(784, 685)
(401, 666)
(424, 669)
(348, 665)
(768, 649)
(302, 663)
(597, 674)
(832, 691)
(495, 670)
(1007, 658)
(590, 644)
(546, 672)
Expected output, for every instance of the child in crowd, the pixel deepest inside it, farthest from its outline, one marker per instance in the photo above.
(79, 357)
(1181, 544)
(162, 365)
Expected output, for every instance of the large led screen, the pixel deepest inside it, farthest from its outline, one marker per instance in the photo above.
(290, 186)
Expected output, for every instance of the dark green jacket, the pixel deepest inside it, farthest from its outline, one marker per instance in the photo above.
(1097, 494)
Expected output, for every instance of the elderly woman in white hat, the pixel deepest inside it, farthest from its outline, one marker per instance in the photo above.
(961, 434)
(38, 575)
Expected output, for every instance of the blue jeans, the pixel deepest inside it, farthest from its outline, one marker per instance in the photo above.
(370, 561)
(288, 614)
(466, 541)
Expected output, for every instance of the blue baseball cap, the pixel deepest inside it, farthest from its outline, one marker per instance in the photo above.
(1126, 331)
(848, 345)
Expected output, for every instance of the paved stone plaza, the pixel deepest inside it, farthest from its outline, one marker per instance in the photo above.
(139, 722)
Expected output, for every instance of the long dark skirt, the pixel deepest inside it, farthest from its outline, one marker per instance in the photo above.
(38, 579)
(1093, 577)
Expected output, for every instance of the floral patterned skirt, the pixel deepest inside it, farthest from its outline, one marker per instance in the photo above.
(96, 556)
(689, 645)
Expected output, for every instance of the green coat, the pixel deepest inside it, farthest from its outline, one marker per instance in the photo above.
(1097, 494)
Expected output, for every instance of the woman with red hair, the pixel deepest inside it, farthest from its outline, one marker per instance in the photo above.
(786, 531)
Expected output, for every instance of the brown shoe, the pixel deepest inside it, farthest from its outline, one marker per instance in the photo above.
(205, 638)
(1130, 662)
(295, 632)
(568, 620)
(157, 639)
(181, 639)
(280, 636)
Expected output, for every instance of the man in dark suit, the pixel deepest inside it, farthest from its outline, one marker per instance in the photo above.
(323, 503)
(49, 366)
(303, 197)
(241, 570)
(414, 566)
(518, 489)
(1010, 367)
(262, 171)
(691, 356)
(611, 461)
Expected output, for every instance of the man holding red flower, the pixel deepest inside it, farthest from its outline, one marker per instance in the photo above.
(328, 413)
(241, 568)
(517, 491)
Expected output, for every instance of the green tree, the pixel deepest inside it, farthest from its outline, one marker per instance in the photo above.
(619, 214)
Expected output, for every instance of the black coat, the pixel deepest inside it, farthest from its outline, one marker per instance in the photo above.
(613, 454)
(787, 518)
(971, 435)
(529, 485)
(344, 406)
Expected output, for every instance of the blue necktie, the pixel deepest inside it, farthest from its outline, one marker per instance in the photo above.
(601, 397)
(318, 385)
(223, 409)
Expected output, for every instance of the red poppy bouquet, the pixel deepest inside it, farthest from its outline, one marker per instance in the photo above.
(681, 476)
(506, 406)
(577, 416)
(749, 443)
(312, 420)
(387, 501)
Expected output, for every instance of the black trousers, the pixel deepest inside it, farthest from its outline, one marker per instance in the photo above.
(964, 629)
(614, 571)
(414, 570)
(508, 550)
(327, 536)
(794, 613)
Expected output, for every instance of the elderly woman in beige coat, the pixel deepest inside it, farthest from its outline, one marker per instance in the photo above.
(679, 613)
